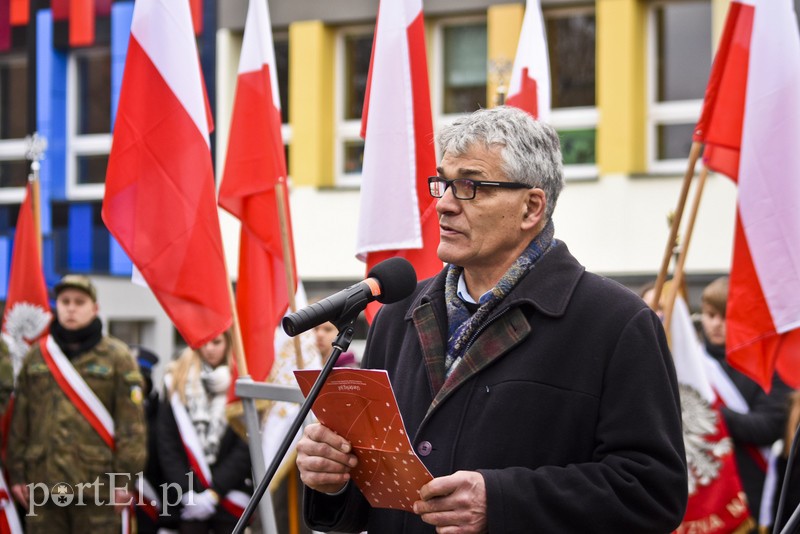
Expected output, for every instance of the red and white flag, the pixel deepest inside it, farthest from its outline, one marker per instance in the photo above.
(717, 504)
(751, 128)
(27, 312)
(254, 168)
(529, 88)
(160, 201)
(398, 215)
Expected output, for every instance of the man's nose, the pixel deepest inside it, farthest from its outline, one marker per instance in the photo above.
(448, 201)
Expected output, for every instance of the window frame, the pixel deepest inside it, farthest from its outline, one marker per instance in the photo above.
(436, 66)
(81, 144)
(346, 130)
(14, 150)
(286, 127)
(578, 117)
(664, 113)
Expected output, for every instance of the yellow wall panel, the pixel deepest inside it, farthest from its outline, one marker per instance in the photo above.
(311, 109)
(621, 86)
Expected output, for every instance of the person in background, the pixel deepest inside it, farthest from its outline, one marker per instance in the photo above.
(59, 443)
(325, 336)
(197, 449)
(149, 516)
(541, 397)
(755, 419)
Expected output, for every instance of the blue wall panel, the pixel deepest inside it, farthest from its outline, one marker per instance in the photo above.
(79, 245)
(121, 17)
(51, 103)
(5, 262)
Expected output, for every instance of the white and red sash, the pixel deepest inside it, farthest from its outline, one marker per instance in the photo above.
(77, 390)
(82, 397)
(147, 498)
(234, 501)
(9, 520)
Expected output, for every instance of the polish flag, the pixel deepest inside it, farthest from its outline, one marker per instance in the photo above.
(751, 128)
(26, 318)
(254, 168)
(27, 312)
(160, 196)
(398, 215)
(716, 500)
(529, 88)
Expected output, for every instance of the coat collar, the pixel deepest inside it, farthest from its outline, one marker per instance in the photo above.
(548, 288)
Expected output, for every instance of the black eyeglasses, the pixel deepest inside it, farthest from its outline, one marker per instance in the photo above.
(465, 188)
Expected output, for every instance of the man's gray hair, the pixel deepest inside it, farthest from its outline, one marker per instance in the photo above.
(530, 149)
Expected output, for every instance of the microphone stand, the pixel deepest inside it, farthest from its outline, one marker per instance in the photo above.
(340, 344)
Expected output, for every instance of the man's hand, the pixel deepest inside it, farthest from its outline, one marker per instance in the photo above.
(324, 459)
(20, 494)
(454, 504)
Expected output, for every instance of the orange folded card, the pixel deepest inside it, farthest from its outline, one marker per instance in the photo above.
(359, 405)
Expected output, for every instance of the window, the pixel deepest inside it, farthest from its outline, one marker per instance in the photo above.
(281, 46)
(458, 67)
(680, 62)
(464, 67)
(571, 41)
(14, 96)
(354, 48)
(88, 121)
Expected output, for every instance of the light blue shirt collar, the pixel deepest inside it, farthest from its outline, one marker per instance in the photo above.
(464, 295)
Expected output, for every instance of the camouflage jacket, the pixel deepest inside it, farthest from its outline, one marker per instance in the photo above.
(6, 376)
(51, 441)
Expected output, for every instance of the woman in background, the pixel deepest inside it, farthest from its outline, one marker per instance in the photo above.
(199, 452)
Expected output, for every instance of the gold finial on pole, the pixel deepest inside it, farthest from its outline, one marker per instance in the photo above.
(499, 75)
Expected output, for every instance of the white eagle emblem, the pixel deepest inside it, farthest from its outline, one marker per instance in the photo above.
(24, 322)
(700, 422)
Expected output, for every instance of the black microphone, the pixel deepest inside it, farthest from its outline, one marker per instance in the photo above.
(389, 281)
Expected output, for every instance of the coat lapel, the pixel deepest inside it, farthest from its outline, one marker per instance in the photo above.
(502, 334)
(430, 339)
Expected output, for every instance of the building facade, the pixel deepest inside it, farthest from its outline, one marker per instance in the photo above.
(628, 78)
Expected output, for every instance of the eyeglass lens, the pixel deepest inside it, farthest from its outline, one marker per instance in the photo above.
(463, 188)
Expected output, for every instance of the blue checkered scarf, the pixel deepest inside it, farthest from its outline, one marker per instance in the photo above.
(461, 324)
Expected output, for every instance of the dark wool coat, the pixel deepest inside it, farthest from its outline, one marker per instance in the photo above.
(566, 403)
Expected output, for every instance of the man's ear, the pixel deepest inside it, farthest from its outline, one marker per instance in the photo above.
(535, 207)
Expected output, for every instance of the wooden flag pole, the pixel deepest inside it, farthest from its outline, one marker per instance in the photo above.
(678, 275)
(238, 343)
(281, 197)
(694, 155)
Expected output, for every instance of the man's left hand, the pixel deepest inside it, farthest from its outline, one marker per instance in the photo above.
(454, 504)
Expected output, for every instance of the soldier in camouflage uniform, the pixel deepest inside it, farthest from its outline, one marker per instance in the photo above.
(55, 454)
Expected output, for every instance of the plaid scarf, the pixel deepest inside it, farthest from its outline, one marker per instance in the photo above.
(461, 324)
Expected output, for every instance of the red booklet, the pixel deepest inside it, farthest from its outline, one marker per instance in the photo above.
(359, 405)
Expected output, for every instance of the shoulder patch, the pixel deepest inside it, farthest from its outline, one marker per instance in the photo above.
(96, 369)
(38, 368)
(136, 395)
(133, 377)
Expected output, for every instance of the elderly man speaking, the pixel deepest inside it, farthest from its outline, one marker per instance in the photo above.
(541, 397)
